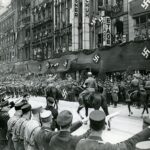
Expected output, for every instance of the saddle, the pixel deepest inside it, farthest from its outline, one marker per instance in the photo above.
(87, 97)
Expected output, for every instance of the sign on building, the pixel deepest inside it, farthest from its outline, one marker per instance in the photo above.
(76, 8)
(86, 7)
(107, 31)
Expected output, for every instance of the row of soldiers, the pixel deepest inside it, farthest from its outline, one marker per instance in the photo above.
(30, 129)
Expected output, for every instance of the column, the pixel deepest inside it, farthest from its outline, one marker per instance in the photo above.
(85, 24)
(75, 22)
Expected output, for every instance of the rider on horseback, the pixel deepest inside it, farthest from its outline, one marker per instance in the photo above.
(135, 83)
(90, 85)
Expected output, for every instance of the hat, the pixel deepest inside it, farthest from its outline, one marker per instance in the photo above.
(25, 94)
(89, 73)
(50, 100)
(45, 116)
(26, 108)
(36, 109)
(64, 118)
(144, 145)
(18, 105)
(12, 104)
(3, 104)
(97, 119)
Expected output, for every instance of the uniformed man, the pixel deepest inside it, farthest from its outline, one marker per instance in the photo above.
(4, 117)
(41, 139)
(11, 123)
(135, 82)
(90, 85)
(26, 97)
(32, 127)
(63, 140)
(95, 142)
(50, 106)
(17, 137)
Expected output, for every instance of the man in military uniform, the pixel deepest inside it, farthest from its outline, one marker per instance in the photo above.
(11, 123)
(95, 142)
(63, 140)
(91, 86)
(4, 117)
(17, 137)
(50, 106)
(41, 139)
(32, 127)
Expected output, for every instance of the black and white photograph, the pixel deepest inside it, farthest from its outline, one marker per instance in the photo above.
(74, 74)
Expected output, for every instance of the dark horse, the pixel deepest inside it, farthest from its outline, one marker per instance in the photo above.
(138, 97)
(54, 93)
(94, 100)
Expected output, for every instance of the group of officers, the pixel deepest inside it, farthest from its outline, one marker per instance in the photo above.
(30, 128)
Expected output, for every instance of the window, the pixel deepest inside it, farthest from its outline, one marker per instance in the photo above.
(143, 19)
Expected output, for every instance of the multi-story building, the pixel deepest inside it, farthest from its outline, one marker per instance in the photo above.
(140, 20)
(42, 29)
(7, 35)
(24, 41)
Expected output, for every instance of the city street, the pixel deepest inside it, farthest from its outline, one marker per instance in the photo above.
(123, 126)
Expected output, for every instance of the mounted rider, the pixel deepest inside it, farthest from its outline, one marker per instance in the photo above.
(135, 83)
(90, 85)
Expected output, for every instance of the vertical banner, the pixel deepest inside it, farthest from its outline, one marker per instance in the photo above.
(107, 31)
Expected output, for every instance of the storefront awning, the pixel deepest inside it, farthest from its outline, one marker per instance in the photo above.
(126, 57)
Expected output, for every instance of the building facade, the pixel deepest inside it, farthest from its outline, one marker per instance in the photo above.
(39, 29)
(140, 23)
(7, 36)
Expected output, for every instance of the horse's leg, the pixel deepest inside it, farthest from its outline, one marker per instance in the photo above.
(86, 111)
(78, 111)
(129, 108)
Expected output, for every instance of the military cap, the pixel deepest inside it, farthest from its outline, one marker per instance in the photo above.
(36, 109)
(97, 119)
(50, 100)
(12, 104)
(64, 118)
(144, 145)
(89, 73)
(26, 108)
(4, 103)
(25, 94)
(18, 105)
(45, 116)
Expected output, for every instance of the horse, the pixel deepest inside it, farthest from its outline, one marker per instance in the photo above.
(94, 100)
(54, 93)
(137, 97)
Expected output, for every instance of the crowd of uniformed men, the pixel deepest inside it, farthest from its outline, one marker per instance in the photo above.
(38, 128)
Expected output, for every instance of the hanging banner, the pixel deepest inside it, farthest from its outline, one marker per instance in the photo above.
(146, 53)
(96, 58)
(107, 31)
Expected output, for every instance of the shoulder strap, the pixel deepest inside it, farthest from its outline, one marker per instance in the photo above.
(98, 141)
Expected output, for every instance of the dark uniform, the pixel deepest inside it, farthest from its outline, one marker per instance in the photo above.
(63, 140)
(18, 141)
(11, 123)
(4, 117)
(95, 142)
(31, 129)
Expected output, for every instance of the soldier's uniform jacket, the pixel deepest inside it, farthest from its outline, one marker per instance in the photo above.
(17, 129)
(43, 137)
(96, 143)
(91, 82)
(31, 129)
(11, 123)
(63, 140)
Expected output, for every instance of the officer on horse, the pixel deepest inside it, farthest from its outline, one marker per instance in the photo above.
(90, 85)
